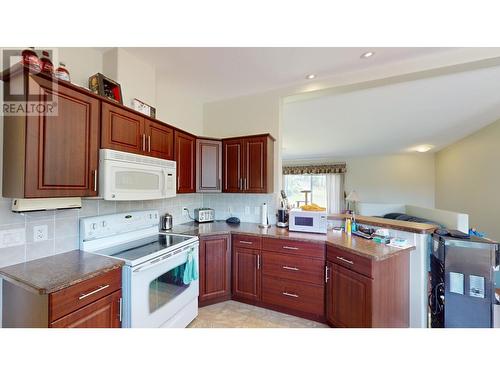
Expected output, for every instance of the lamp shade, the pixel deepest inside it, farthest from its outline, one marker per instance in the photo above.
(353, 197)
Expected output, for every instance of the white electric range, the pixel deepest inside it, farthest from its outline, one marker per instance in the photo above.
(154, 293)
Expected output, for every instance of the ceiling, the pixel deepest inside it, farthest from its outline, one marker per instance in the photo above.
(392, 118)
(222, 72)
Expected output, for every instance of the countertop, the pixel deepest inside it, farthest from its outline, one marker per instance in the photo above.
(406, 226)
(353, 244)
(56, 272)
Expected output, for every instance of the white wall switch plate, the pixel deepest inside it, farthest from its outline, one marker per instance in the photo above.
(12, 237)
(40, 233)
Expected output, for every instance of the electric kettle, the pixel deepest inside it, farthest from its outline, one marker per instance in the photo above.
(166, 222)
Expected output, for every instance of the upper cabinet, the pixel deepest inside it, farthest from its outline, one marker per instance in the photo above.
(248, 164)
(208, 166)
(185, 156)
(124, 130)
(49, 155)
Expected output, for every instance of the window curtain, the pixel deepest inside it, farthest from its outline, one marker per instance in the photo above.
(335, 192)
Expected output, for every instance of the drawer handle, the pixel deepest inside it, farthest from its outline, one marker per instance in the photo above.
(345, 260)
(290, 248)
(85, 295)
(290, 268)
(246, 242)
(291, 295)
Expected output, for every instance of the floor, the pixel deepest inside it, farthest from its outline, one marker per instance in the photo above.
(232, 314)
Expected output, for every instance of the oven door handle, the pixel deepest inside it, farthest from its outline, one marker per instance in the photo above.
(159, 260)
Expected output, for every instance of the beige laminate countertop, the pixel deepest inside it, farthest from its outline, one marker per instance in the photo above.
(56, 272)
(353, 244)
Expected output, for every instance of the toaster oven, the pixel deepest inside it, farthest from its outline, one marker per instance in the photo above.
(204, 215)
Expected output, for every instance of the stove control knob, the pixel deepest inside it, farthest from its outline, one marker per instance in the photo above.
(93, 226)
(104, 224)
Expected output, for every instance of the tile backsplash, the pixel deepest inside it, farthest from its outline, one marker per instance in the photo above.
(63, 224)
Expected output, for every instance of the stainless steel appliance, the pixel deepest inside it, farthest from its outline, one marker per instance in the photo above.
(204, 215)
(156, 291)
(307, 221)
(166, 222)
(124, 176)
(462, 282)
(282, 221)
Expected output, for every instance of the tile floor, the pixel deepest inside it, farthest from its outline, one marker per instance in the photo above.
(232, 314)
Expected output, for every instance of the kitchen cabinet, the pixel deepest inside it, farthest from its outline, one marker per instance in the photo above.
(364, 293)
(51, 154)
(125, 130)
(91, 303)
(215, 269)
(208, 166)
(246, 274)
(185, 156)
(248, 164)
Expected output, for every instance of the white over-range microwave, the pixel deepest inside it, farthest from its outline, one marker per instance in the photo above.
(307, 221)
(124, 176)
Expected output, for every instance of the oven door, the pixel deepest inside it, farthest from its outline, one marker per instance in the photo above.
(157, 291)
(128, 181)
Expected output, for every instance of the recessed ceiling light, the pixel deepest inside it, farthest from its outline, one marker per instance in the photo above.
(367, 55)
(423, 148)
(310, 76)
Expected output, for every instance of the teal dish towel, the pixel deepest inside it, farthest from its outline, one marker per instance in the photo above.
(191, 270)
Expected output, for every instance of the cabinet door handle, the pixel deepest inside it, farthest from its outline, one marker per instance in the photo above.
(246, 242)
(143, 136)
(345, 260)
(327, 269)
(246, 184)
(291, 295)
(258, 261)
(149, 143)
(85, 295)
(95, 179)
(290, 248)
(290, 268)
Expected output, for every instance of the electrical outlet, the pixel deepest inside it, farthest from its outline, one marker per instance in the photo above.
(40, 233)
(185, 211)
(12, 237)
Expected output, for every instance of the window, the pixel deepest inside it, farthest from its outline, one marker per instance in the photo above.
(294, 184)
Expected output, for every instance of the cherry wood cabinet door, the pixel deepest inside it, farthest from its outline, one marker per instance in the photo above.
(246, 273)
(208, 166)
(349, 298)
(122, 130)
(185, 156)
(232, 172)
(255, 165)
(103, 313)
(160, 140)
(62, 151)
(215, 269)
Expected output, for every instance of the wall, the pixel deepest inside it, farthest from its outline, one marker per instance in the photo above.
(467, 179)
(402, 178)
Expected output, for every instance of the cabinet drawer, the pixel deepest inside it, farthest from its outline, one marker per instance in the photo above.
(248, 242)
(293, 267)
(310, 249)
(293, 295)
(75, 297)
(349, 260)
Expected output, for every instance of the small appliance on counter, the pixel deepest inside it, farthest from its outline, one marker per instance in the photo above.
(204, 215)
(167, 222)
(307, 221)
(282, 215)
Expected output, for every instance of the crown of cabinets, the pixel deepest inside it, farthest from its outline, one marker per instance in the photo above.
(49, 155)
(248, 164)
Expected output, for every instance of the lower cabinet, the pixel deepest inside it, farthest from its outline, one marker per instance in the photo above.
(246, 273)
(215, 269)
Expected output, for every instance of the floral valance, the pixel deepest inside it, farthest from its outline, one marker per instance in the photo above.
(315, 169)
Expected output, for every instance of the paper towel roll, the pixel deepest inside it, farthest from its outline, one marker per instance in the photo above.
(263, 215)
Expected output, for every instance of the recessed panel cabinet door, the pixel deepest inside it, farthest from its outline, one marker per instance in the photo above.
(246, 273)
(62, 150)
(122, 130)
(232, 166)
(348, 298)
(185, 156)
(208, 166)
(160, 141)
(255, 165)
(215, 269)
(103, 313)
